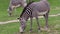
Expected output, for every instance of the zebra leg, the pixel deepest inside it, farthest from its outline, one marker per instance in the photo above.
(46, 18)
(31, 24)
(38, 22)
(10, 9)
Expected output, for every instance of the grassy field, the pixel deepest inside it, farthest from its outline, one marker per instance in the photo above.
(13, 28)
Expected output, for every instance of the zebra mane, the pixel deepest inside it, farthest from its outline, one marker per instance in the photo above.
(26, 8)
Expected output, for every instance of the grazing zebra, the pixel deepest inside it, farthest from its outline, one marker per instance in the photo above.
(34, 9)
(14, 4)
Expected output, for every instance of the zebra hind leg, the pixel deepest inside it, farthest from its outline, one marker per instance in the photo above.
(46, 18)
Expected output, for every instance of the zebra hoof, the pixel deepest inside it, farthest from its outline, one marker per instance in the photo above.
(46, 28)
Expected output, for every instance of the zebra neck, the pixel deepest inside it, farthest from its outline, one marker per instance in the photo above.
(25, 16)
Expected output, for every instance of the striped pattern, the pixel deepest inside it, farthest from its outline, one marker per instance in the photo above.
(28, 10)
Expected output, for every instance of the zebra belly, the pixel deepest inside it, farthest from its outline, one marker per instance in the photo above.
(16, 6)
(42, 13)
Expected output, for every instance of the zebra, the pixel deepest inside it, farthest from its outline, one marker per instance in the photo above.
(34, 9)
(14, 4)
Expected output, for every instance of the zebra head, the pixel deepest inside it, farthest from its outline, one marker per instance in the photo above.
(22, 24)
(9, 10)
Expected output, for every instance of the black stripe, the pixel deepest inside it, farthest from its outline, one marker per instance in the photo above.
(28, 11)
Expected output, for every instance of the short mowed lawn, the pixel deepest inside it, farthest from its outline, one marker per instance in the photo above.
(13, 28)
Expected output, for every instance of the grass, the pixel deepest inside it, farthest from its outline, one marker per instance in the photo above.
(13, 28)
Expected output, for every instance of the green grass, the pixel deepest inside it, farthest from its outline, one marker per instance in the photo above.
(13, 28)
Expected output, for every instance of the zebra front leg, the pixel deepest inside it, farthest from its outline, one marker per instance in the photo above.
(31, 24)
(38, 23)
(46, 18)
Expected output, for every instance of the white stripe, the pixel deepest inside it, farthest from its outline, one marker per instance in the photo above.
(28, 11)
